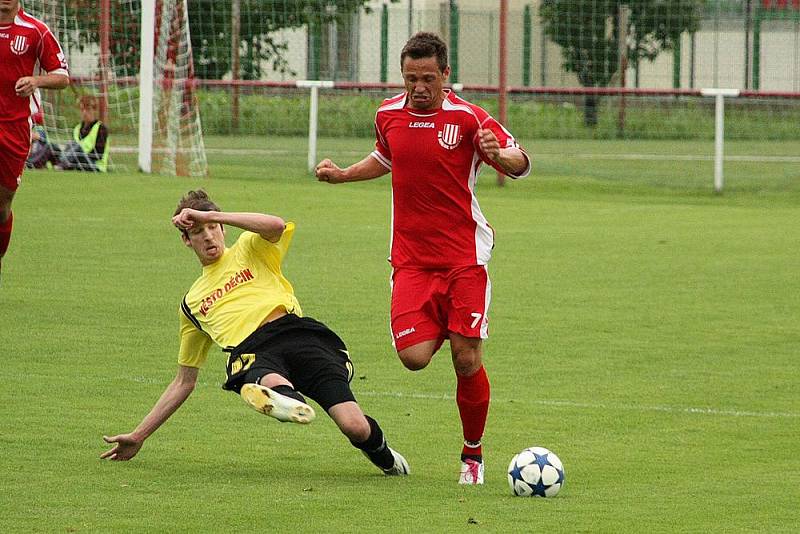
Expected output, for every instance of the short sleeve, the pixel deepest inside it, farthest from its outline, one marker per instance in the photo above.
(506, 140)
(382, 152)
(195, 344)
(51, 57)
(259, 246)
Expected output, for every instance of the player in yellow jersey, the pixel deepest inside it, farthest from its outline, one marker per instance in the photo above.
(243, 303)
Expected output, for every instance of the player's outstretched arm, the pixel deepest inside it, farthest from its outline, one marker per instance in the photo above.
(269, 227)
(26, 85)
(127, 445)
(366, 169)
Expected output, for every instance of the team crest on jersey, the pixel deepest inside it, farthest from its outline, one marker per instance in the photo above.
(450, 136)
(19, 44)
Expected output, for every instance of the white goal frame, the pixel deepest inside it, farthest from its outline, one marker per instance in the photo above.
(147, 51)
(719, 130)
(169, 116)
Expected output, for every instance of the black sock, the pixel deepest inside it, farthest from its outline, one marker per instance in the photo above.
(476, 457)
(375, 446)
(289, 391)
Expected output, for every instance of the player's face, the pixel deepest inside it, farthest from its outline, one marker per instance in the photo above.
(207, 241)
(8, 6)
(424, 82)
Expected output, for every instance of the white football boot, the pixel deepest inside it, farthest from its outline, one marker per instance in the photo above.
(271, 403)
(471, 472)
(400, 466)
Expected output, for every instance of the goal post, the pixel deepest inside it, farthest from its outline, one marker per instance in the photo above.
(147, 44)
(177, 146)
(719, 130)
(313, 116)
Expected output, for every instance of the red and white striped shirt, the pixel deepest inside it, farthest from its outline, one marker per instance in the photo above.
(23, 44)
(434, 156)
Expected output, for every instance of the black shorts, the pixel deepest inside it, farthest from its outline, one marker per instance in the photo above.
(304, 351)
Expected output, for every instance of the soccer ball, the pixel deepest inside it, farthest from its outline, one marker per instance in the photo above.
(535, 472)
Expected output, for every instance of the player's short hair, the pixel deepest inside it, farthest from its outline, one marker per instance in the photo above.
(196, 200)
(425, 44)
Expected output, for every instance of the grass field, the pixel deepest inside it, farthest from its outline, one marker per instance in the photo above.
(643, 328)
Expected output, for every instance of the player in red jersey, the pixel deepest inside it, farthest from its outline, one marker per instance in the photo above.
(25, 41)
(433, 143)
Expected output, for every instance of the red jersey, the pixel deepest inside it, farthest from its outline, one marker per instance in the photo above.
(23, 44)
(435, 156)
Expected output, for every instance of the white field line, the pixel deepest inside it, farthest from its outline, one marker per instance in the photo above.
(597, 406)
(680, 157)
(641, 157)
(229, 151)
(719, 412)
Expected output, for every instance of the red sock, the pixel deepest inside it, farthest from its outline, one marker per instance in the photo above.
(5, 233)
(472, 397)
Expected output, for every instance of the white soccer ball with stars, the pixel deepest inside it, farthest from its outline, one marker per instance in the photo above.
(536, 472)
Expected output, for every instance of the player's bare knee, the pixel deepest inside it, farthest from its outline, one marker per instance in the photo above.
(351, 420)
(467, 370)
(418, 356)
(355, 428)
(467, 362)
(272, 380)
(414, 360)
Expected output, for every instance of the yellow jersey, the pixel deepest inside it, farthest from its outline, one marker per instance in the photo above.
(234, 295)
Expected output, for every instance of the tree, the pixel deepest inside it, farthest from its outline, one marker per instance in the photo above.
(210, 30)
(210, 24)
(588, 32)
(77, 24)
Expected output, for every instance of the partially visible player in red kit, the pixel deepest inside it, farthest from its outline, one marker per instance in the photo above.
(434, 142)
(25, 42)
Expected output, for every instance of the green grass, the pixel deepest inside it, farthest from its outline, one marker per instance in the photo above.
(643, 328)
(682, 168)
(346, 113)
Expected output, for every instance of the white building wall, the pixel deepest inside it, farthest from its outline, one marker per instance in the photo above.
(780, 56)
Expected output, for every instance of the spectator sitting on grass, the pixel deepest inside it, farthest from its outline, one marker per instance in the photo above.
(88, 150)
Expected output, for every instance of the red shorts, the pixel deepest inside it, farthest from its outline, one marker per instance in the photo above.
(429, 304)
(15, 142)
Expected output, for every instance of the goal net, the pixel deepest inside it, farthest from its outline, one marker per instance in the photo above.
(102, 41)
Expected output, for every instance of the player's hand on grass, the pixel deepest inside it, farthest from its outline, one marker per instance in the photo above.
(328, 171)
(489, 144)
(126, 446)
(25, 86)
